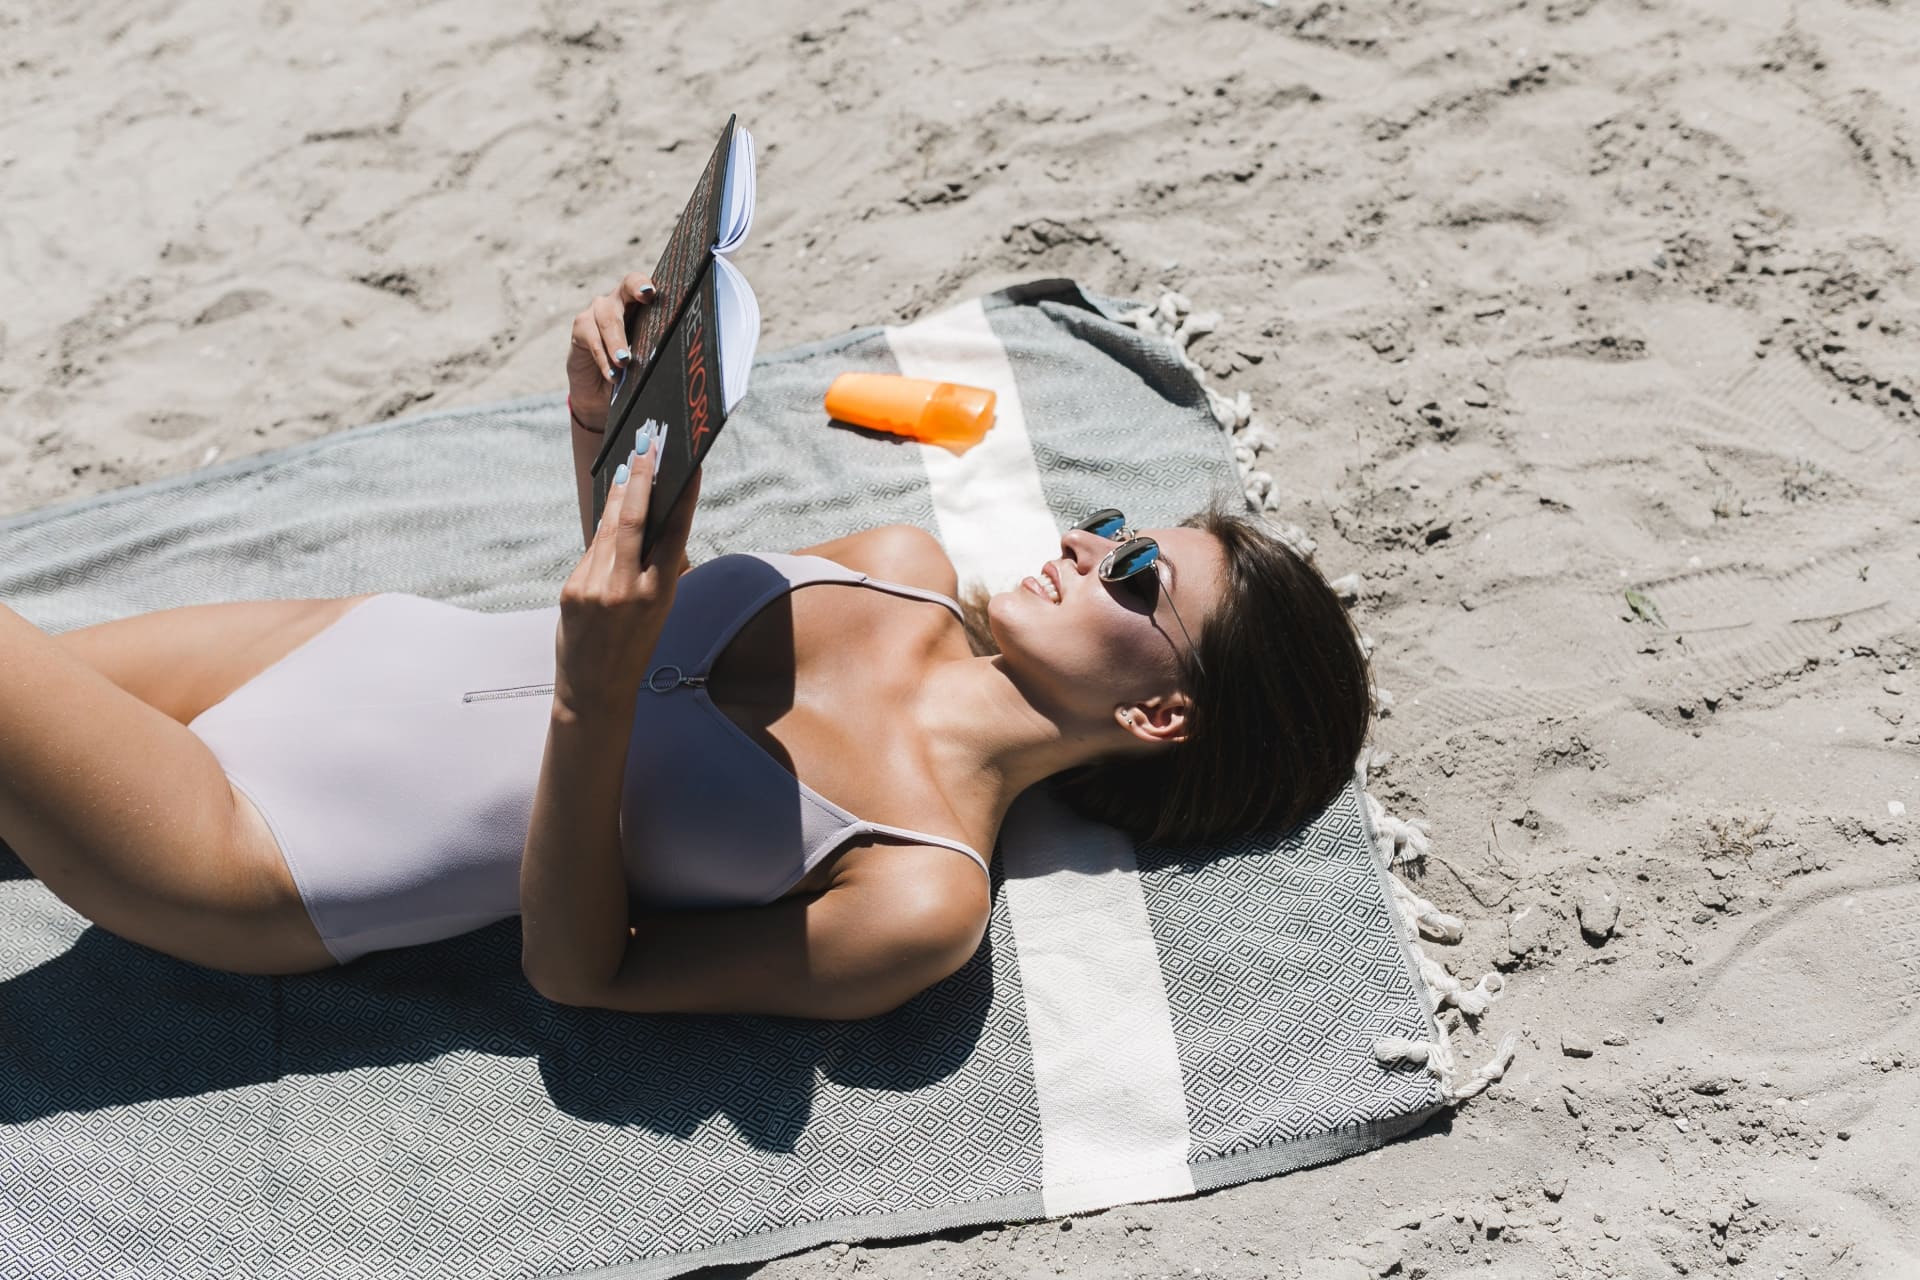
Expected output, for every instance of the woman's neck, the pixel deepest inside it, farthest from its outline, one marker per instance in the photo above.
(990, 739)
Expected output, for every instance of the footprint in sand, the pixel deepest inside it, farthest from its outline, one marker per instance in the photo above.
(1790, 984)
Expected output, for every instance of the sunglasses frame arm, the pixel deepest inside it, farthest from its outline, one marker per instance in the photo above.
(1105, 572)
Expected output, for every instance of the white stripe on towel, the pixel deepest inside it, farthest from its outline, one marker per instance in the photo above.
(1113, 1110)
(993, 515)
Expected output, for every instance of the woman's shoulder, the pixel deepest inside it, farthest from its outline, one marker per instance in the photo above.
(937, 884)
(902, 553)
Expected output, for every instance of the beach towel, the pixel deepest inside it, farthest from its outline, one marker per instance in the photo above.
(1141, 1022)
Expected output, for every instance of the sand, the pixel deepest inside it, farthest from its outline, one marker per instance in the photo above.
(1538, 303)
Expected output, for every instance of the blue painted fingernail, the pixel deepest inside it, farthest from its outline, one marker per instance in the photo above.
(620, 474)
(623, 355)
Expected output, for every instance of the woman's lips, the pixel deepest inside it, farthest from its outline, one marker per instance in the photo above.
(1038, 588)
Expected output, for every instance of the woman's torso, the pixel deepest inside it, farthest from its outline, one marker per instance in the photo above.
(394, 756)
(813, 664)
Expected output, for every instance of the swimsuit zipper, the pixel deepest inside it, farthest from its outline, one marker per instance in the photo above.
(674, 680)
(672, 676)
(517, 691)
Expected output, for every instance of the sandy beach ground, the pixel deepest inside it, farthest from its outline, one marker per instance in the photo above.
(1585, 333)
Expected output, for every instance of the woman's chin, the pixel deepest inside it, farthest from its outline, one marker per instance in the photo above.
(1020, 621)
(1007, 615)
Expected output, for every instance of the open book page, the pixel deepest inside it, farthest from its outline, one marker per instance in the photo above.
(738, 311)
(736, 201)
(739, 324)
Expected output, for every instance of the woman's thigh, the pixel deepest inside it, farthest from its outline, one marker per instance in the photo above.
(125, 814)
(183, 660)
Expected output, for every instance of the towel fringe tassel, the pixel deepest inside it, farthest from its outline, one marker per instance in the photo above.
(1173, 320)
(1399, 842)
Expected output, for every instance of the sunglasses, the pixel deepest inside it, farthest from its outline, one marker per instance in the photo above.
(1127, 564)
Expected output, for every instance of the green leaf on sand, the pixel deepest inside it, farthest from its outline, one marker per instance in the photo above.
(1644, 608)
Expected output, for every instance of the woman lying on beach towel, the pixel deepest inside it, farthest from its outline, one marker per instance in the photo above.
(643, 771)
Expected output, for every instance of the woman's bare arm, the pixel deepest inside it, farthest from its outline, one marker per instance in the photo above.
(586, 447)
(872, 941)
(573, 882)
(613, 607)
(875, 939)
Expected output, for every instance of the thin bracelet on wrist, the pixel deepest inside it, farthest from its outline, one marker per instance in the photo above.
(598, 431)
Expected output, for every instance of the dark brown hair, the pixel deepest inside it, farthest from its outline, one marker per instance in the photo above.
(1278, 719)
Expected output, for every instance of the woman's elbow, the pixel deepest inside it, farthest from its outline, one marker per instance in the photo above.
(566, 990)
(901, 988)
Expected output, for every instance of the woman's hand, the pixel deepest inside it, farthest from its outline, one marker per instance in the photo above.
(599, 348)
(613, 607)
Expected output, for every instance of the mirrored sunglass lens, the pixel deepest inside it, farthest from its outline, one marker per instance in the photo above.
(1129, 562)
(1103, 524)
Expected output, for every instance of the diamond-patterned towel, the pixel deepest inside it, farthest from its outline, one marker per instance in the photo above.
(1140, 1022)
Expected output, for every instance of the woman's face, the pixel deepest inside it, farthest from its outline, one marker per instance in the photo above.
(1100, 647)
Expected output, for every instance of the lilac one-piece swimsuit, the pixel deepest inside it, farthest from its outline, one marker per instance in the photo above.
(395, 755)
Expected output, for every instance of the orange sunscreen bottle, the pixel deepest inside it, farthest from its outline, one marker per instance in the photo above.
(942, 413)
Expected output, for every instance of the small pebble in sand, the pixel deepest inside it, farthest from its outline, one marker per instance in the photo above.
(1680, 1123)
(1615, 1040)
(1529, 929)
(1893, 685)
(1575, 1046)
(1896, 809)
(1598, 908)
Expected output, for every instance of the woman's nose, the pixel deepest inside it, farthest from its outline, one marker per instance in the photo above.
(1078, 542)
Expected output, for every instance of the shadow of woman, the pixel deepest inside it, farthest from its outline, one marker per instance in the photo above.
(108, 1023)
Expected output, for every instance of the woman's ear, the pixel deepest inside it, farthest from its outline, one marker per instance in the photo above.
(1155, 721)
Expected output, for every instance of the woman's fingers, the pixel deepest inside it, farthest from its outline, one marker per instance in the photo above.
(635, 286)
(629, 527)
(610, 318)
(672, 547)
(600, 332)
(586, 338)
(615, 553)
